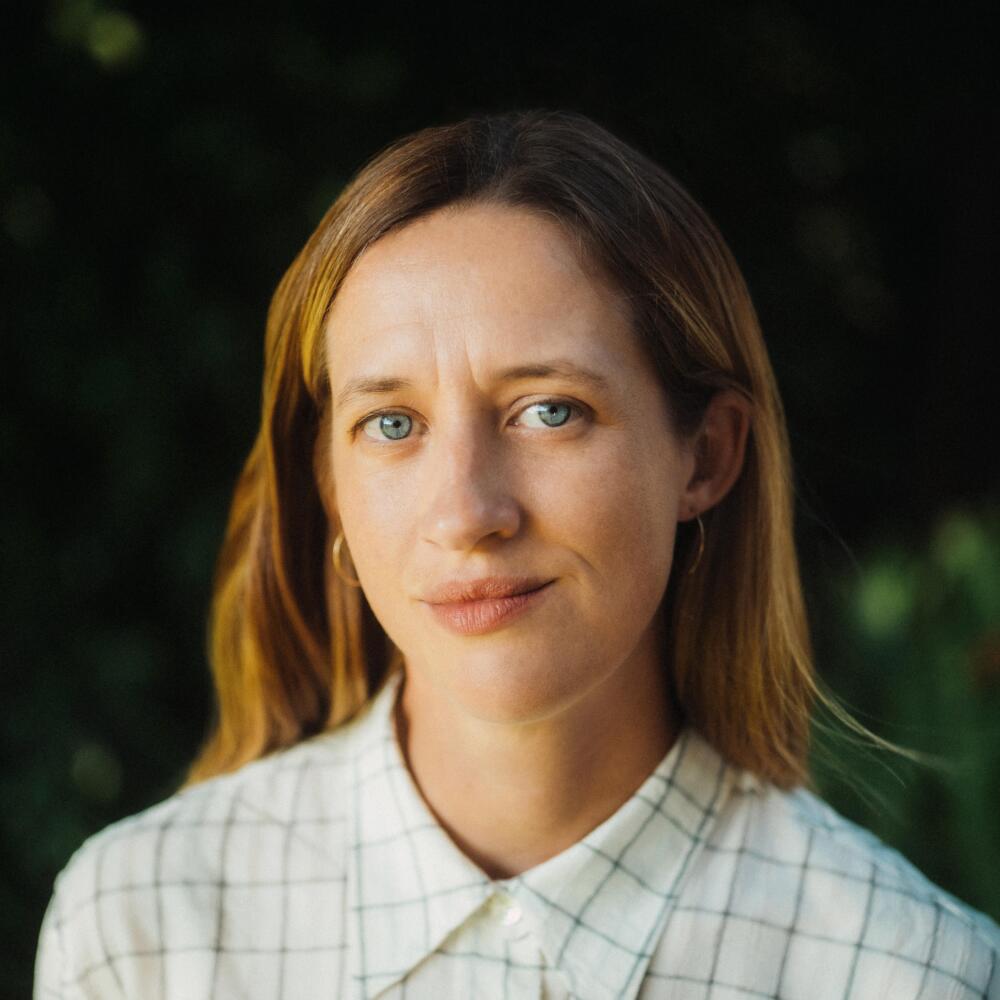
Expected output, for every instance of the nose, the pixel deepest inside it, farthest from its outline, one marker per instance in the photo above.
(468, 490)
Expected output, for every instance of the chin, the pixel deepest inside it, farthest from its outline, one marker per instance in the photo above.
(511, 690)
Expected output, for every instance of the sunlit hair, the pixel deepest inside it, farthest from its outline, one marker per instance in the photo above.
(294, 650)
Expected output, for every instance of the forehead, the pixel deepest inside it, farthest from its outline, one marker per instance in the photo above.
(490, 284)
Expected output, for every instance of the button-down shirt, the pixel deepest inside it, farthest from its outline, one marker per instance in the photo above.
(320, 871)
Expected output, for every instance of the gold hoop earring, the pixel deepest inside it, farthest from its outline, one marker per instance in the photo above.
(701, 545)
(338, 569)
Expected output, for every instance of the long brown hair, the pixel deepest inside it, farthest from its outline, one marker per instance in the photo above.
(294, 650)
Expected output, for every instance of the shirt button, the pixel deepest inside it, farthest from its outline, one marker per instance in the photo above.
(505, 907)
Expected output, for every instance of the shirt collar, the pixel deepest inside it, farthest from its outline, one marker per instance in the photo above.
(598, 906)
(601, 904)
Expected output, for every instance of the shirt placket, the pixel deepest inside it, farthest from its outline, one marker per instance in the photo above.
(524, 971)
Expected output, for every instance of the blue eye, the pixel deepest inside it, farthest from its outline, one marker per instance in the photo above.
(551, 412)
(394, 425)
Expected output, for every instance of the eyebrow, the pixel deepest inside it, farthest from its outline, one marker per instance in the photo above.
(368, 385)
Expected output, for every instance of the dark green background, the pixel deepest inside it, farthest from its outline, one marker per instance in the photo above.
(160, 165)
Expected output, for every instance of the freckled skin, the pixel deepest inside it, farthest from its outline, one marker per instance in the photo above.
(523, 739)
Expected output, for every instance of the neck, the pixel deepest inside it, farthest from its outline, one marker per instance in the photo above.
(547, 783)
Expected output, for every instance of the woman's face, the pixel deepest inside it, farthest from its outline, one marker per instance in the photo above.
(466, 468)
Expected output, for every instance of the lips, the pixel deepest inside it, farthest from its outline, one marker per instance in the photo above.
(469, 618)
(456, 592)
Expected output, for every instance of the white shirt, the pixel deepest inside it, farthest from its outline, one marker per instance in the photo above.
(319, 871)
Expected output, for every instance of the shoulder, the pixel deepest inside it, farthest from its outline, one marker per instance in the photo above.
(201, 832)
(852, 906)
(153, 881)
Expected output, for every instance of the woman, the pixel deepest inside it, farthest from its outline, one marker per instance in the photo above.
(513, 670)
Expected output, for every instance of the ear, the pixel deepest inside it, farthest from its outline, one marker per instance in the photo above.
(719, 446)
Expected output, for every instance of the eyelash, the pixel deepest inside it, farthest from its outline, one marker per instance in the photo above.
(577, 408)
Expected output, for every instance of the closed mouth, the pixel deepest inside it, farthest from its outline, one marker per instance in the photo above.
(504, 597)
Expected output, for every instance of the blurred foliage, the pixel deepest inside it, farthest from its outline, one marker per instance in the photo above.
(161, 164)
(916, 657)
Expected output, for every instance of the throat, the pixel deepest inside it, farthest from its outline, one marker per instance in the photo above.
(512, 797)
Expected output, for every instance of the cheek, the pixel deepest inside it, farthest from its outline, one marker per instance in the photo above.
(374, 516)
(616, 506)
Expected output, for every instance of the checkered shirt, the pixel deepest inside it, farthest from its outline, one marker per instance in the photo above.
(319, 872)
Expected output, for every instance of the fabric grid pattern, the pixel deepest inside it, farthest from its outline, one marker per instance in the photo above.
(319, 871)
